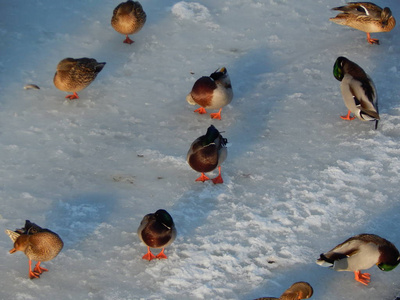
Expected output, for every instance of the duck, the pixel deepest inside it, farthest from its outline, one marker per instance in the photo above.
(361, 252)
(365, 16)
(298, 290)
(157, 230)
(75, 74)
(207, 153)
(38, 244)
(211, 92)
(128, 18)
(358, 91)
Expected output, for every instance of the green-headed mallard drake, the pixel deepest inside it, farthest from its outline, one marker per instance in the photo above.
(38, 244)
(211, 92)
(298, 290)
(358, 91)
(157, 230)
(361, 252)
(128, 18)
(206, 153)
(73, 75)
(365, 16)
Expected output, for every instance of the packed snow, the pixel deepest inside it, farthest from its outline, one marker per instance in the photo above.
(298, 179)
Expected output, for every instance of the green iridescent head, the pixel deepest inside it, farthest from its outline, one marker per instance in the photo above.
(388, 267)
(338, 68)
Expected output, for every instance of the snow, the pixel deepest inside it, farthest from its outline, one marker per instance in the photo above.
(298, 179)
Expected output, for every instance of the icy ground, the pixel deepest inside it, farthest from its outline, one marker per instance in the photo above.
(298, 179)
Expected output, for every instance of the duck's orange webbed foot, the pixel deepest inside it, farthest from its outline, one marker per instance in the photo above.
(347, 117)
(371, 40)
(216, 115)
(161, 255)
(128, 40)
(218, 179)
(202, 178)
(149, 256)
(363, 278)
(73, 96)
(201, 110)
(38, 269)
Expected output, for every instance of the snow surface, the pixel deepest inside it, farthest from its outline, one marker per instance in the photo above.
(298, 179)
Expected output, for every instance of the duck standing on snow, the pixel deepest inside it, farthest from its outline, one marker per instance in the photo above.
(128, 18)
(361, 252)
(298, 290)
(206, 153)
(38, 244)
(211, 92)
(365, 16)
(157, 230)
(73, 75)
(358, 91)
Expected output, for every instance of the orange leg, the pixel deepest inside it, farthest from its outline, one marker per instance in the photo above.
(149, 256)
(32, 274)
(363, 278)
(216, 115)
(201, 110)
(38, 269)
(348, 117)
(371, 40)
(161, 255)
(218, 179)
(202, 178)
(73, 96)
(128, 40)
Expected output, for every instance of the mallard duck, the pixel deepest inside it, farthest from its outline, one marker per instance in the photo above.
(73, 75)
(358, 91)
(361, 252)
(211, 92)
(128, 18)
(206, 153)
(157, 230)
(365, 16)
(298, 290)
(38, 244)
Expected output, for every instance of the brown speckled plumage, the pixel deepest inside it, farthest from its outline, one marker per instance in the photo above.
(128, 18)
(73, 75)
(298, 290)
(38, 244)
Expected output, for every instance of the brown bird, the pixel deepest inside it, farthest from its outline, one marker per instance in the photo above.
(157, 230)
(206, 153)
(365, 16)
(38, 244)
(128, 18)
(73, 75)
(212, 92)
(298, 290)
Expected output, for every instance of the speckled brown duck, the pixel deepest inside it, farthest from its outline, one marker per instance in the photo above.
(157, 230)
(128, 18)
(299, 290)
(365, 16)
(38, 244)
(73, 75)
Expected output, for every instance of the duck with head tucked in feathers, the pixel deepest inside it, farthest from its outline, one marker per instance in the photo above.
(358, 91)
(207, 153)
(365, 16)
(157, 230)
(212, 92)
(128, 18)
(73, 75)
(297, 291)
(361, 252)
(38, 244)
